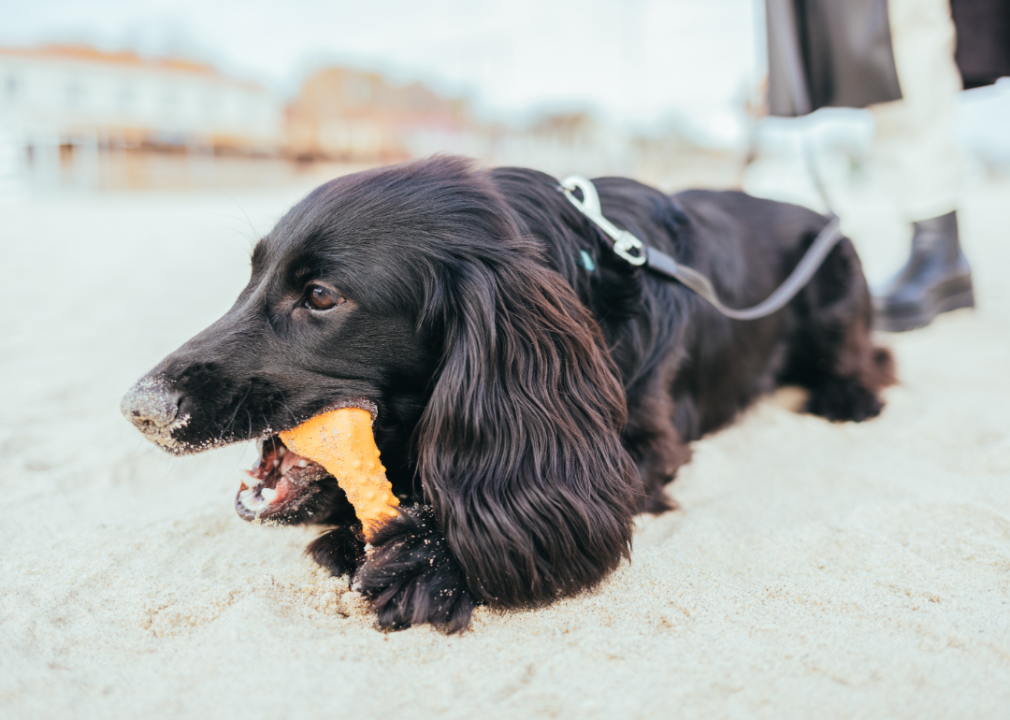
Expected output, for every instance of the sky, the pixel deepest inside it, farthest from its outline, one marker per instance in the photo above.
(638, 63)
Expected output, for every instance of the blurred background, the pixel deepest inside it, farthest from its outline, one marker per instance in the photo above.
(111, 95)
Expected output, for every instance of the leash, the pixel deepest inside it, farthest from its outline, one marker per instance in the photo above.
(631, 249)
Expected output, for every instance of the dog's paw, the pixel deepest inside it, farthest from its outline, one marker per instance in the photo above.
(410, 576)
(341, 551)
(842, 399)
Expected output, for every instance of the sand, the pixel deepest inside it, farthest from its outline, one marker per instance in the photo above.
(813, 570)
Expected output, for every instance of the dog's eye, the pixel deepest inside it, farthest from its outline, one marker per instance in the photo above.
(322, 298)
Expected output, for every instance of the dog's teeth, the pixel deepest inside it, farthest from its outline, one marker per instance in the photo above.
(276, 462)
(268, 494)
(281, 451)
(249, 499)
(303, 463)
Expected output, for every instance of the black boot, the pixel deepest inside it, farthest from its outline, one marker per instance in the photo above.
(935, 279)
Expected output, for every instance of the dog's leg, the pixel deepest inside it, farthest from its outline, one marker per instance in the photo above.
(652, 439)
(340, 550)
(833, 353)
(411, 576)
(850, 389)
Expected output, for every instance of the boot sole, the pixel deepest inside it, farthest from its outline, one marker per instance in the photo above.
(965, 298)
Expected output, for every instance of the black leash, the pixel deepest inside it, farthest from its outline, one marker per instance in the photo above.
(636, 253)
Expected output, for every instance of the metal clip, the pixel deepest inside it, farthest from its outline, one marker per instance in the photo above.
(624, 241)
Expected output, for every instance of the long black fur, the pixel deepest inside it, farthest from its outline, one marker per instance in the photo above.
(527, 404)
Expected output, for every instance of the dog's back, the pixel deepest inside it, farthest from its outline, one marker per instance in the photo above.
(686, 368)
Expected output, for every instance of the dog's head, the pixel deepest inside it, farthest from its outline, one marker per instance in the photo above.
(412, 289)
(339, 308)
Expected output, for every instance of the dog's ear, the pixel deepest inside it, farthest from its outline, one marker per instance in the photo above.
(519, 447)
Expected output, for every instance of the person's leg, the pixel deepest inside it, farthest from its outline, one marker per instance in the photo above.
(914, 146)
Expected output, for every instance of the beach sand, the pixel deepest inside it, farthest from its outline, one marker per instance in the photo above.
(812, 570)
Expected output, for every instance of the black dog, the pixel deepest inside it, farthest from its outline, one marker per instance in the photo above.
(533, 390)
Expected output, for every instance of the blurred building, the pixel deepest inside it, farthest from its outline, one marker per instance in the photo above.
(562, 143)
(358, 116)
(62, 106)
(76, 117)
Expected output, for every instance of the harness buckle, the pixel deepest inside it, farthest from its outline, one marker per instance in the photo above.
(624, 241)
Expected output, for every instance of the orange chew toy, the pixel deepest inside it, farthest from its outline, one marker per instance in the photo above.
(342, 442)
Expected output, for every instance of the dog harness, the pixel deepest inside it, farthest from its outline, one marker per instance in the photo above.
(635, 252)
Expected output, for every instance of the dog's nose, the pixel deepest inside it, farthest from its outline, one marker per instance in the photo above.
(151, 405)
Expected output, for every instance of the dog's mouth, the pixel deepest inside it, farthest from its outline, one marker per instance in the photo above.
(280, 485)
